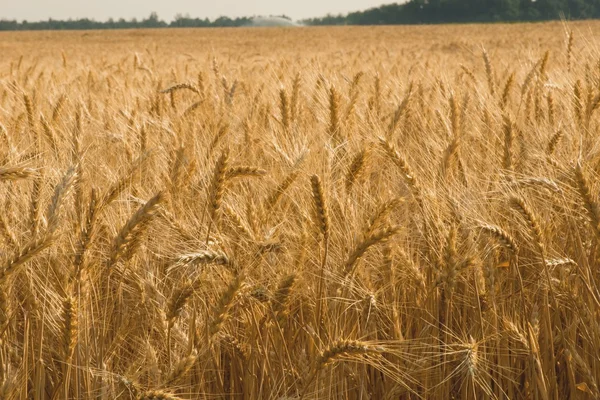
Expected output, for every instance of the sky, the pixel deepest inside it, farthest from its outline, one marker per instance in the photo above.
(101, 10)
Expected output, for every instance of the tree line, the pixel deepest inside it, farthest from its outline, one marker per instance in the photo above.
(411, 12)
(461, 11)
(153, 21)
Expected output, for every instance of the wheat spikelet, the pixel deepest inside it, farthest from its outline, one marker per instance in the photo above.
(554, 140)
(35, 205)
(244, 171)
(405, 169)
(539, 112)
(570, 41)
(507, 159)
(502, 236)
(7, 233)
(529, 78)
(295, 99)
(322, 212)
(177, 168)
(465, 70)
(240, 348)
(506, 91)
(343, 349)
(284, 108)
(280, 298)
(221, 133)
(489, 70)
(400, 110)
(471, 363)
(70, 327)
(203, 257)
(577, 102)
(334, 122)
(4, 308)
(238, 223)
(178, 300)
(181, 86)
(76, 136)
(29, 111)
(121, 184)
(129, 236)
(551, 109)
(450, 155)
(448, 264)
(26, 253)
(87, 233)
(592, 105)
(221, 309)
(275, 196)
(455, 116)
(4, 137)
(61, 191)
(380, 214)
(362, 247)
(354, 93)
(58, 107)
(357, 166)
(560, 262)
(188, 111)
(405, 262)
(585, 194)
(16, 173)
(156, 395)
(217, 187)
(544, 64)
(180, 369)
(516, 332)
(49, 135)
(532, 221)
(230, 92)
(376, 100)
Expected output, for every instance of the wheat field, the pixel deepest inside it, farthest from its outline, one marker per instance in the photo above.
(312, 213)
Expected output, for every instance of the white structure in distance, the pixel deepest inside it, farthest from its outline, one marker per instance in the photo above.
(272, 21)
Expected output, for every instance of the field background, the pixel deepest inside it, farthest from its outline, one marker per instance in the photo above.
(350, 212)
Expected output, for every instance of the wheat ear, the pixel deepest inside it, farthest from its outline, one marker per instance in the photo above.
(342, 349)
(129, 237)
(244, 171)
(505, 238)
(15, 173)
(217, 188)
(363, 246)
(356, 168)
(590, 205)
(221, 310)
(280, 298)
(25, 254)
(157, 395)
(180, 369)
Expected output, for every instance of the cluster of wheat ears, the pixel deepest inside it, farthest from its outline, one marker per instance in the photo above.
(222, 226)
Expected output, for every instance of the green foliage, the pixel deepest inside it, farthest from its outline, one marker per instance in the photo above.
(152, 21)
(456, 11)
(411, 12)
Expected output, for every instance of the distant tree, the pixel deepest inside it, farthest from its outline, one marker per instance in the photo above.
(410, 12)
(152, 22)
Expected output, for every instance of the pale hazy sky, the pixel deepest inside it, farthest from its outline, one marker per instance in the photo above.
(34, 10)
